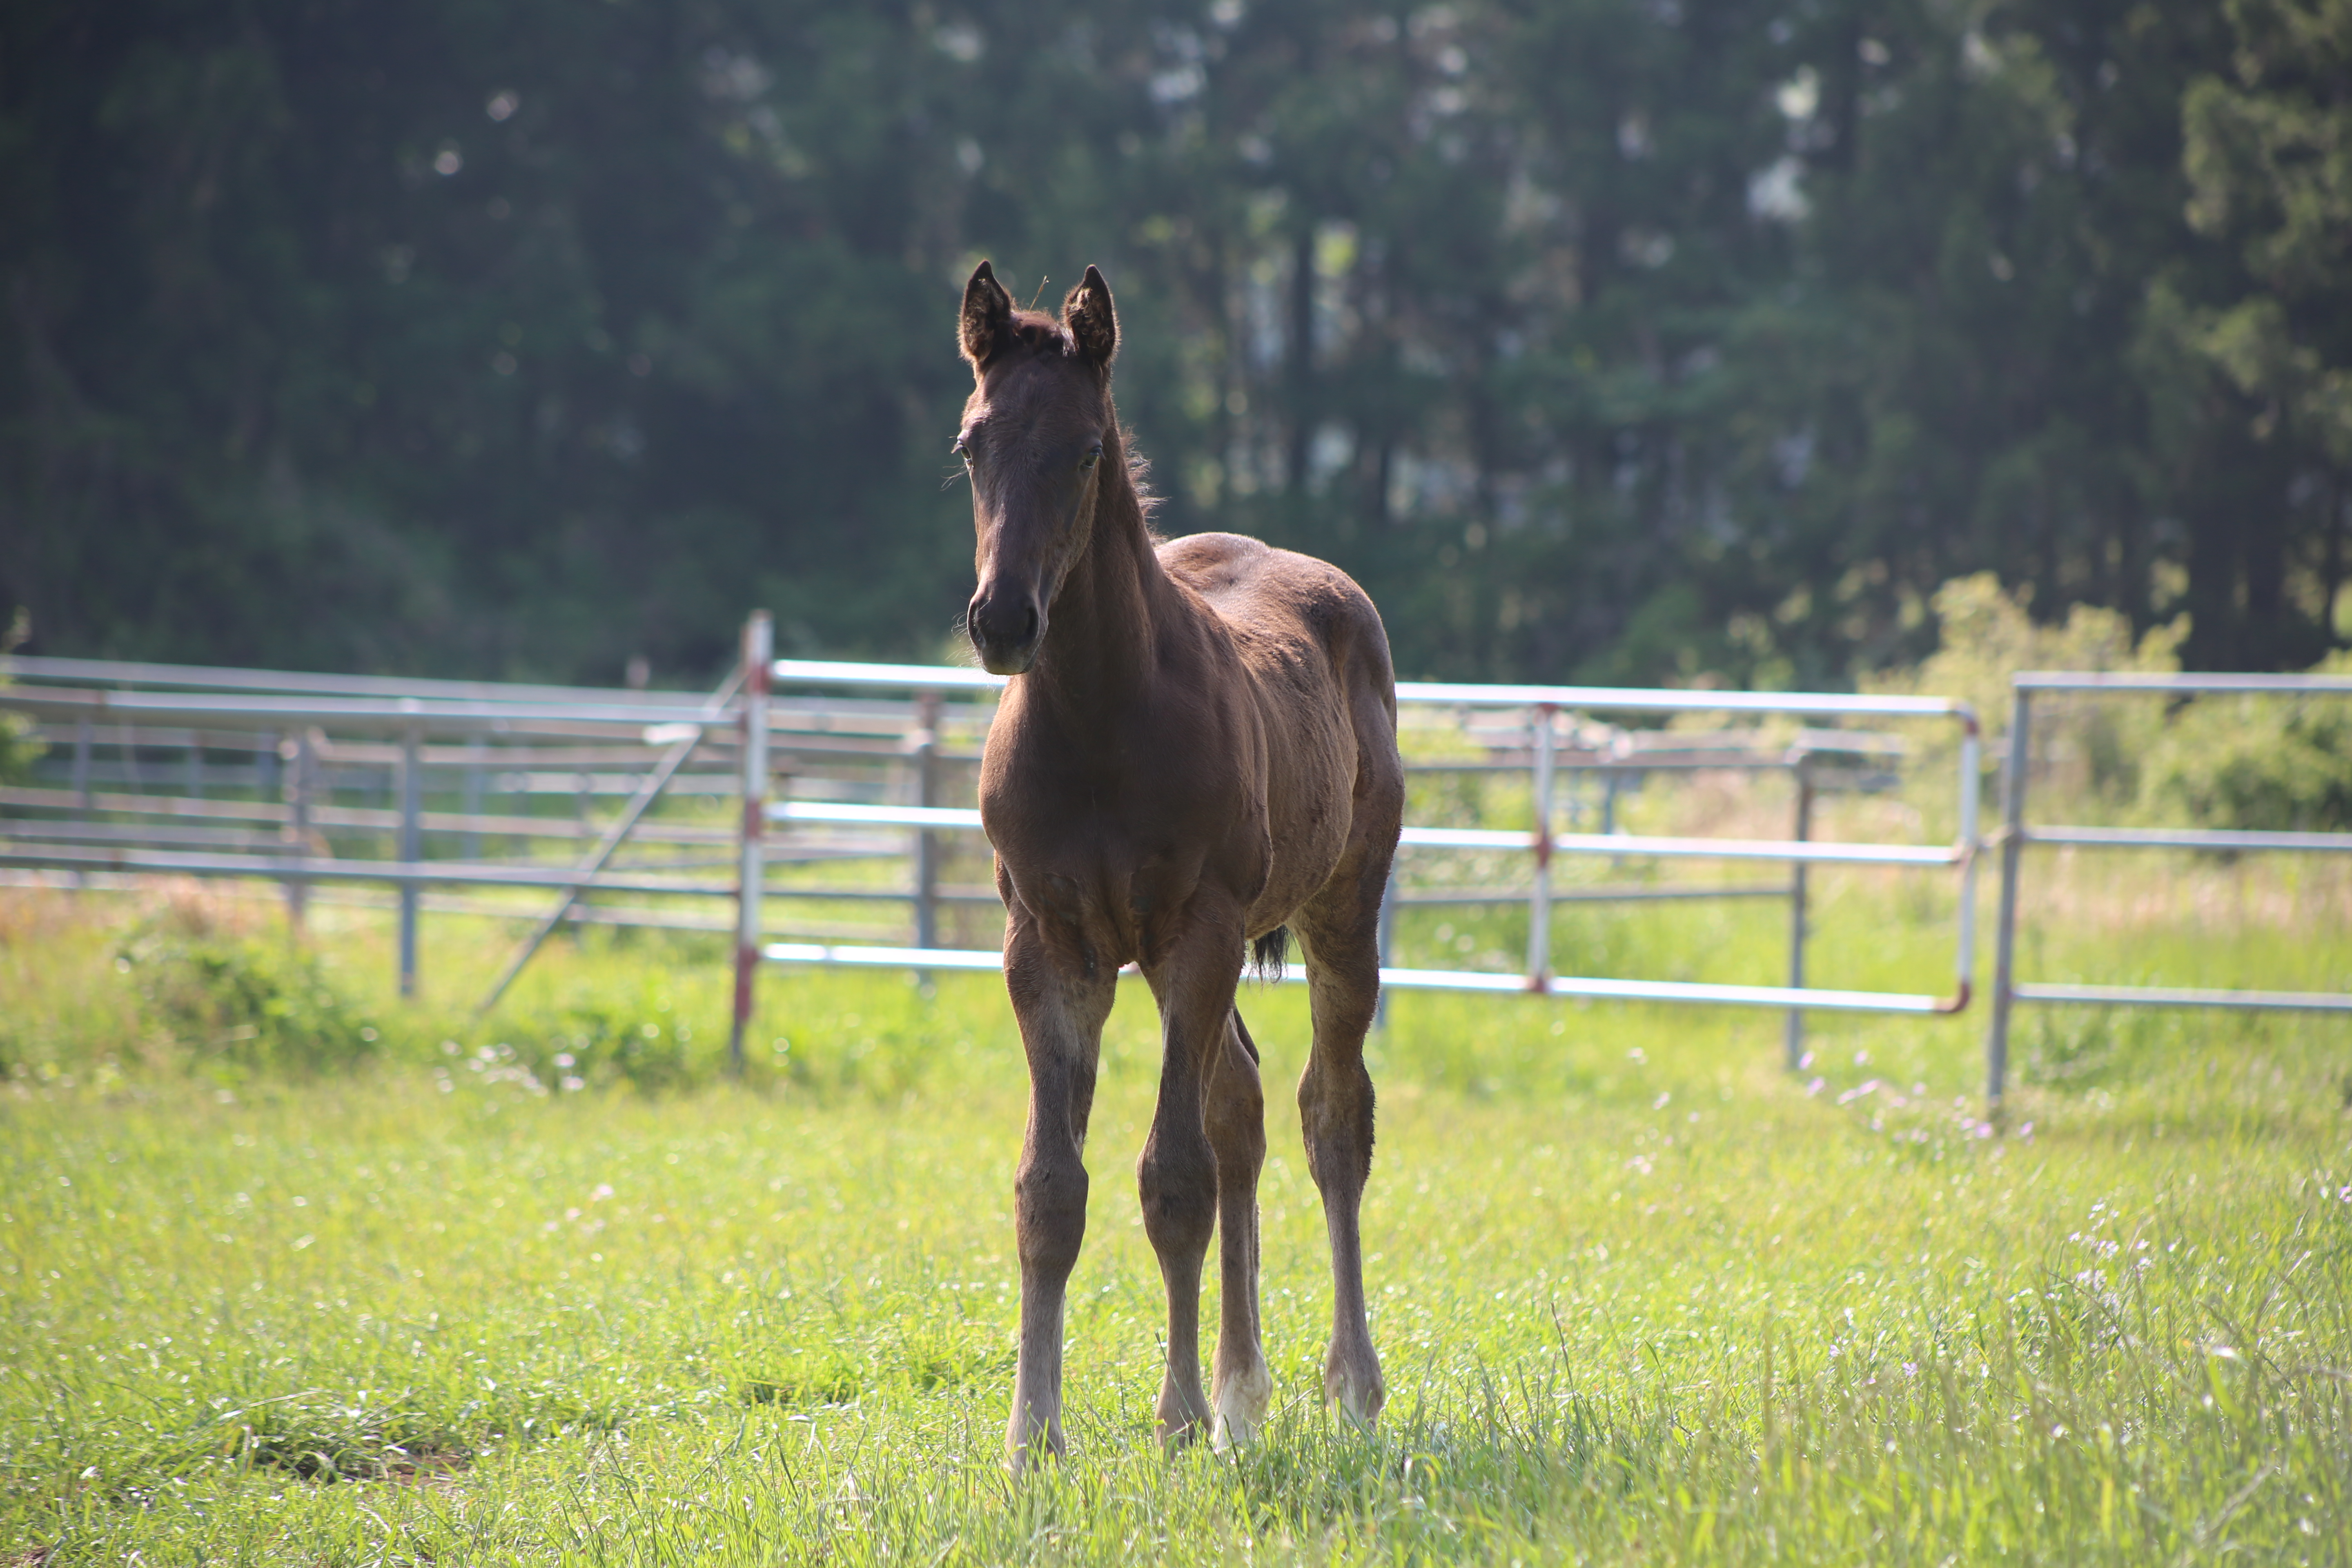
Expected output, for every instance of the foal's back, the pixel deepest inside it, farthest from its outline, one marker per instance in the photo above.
(1296, 622)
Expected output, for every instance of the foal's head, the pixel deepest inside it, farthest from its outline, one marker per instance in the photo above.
(1034, 435)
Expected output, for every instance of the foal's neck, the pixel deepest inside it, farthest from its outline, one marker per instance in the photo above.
(1101, 633)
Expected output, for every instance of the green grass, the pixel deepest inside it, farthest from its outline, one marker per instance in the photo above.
(1640, 1296)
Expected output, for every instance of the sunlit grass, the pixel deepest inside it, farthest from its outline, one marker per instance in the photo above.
(1641, 1296)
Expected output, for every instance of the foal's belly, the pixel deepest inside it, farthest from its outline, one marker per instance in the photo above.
(1308, 819)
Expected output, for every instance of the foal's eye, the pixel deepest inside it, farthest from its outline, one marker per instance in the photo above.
(1093, 456)
(960, 450)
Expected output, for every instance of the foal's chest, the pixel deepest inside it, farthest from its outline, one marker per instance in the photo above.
(1106, 849)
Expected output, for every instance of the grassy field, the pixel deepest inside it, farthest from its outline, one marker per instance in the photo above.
(1641, 1296)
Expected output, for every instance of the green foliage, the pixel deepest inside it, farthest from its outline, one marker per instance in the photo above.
(1601, 339)
(1986, 634)
(20, 746)
(2276, 762)
(236, 1003)
(634, 1027)
(604, 1037)
(2269, 157)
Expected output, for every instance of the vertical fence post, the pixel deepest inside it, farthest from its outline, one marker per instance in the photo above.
(301, 771)
(2012, 844)
(471, 847)
(1539, 899)
(927, 842)
(752, 870)
(515, 760)
(1802, 831)
(265, 776)
(82, 781)
(412, 850)
(1971, 785)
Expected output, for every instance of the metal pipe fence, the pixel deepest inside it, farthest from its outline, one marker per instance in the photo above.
(860, 757)
(2017, 833)
(861, 777)
(301, 740)
(1544, 704)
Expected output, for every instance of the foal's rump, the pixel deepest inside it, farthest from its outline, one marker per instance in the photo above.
(1318, 665)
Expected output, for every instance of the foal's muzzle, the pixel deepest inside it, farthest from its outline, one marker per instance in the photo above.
(1005, 629)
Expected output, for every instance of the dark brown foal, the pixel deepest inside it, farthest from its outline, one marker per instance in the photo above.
(1197, 748)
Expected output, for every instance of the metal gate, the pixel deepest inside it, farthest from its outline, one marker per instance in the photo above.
(2017, 833)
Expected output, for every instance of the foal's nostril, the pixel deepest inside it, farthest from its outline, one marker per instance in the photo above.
(1029, 627)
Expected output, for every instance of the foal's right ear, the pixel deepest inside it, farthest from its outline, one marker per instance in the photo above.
(987, 315)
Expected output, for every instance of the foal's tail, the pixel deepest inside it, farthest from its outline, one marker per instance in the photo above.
(1269, 953)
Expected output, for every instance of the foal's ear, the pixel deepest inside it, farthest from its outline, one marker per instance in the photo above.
(1094, 325)
(987, 315)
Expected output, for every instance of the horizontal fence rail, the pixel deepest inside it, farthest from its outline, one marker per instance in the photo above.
(1620, 846)
(2018, 834)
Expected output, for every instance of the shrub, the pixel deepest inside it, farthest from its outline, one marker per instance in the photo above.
(2260, 763)
(235, 1002)
(1985, 635)
(20, 747)
(635, 1039)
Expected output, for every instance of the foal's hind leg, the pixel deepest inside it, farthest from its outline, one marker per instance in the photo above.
(1240, 1387)
(1339, 930)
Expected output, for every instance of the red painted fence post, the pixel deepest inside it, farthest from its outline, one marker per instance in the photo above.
(759, 653)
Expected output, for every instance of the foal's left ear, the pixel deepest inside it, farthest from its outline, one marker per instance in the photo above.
(1094, 325)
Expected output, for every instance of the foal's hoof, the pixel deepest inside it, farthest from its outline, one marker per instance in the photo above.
(1026, 1451)
(1023, 1459)
(1176, 1434)
(1357, 1391)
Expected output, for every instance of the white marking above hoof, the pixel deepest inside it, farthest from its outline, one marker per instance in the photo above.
(1241, 1404)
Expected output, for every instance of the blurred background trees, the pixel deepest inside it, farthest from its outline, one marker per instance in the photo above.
(1614, 340)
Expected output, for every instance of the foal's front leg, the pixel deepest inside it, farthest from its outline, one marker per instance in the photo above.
(1061, 1018)
(1178, 1175)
